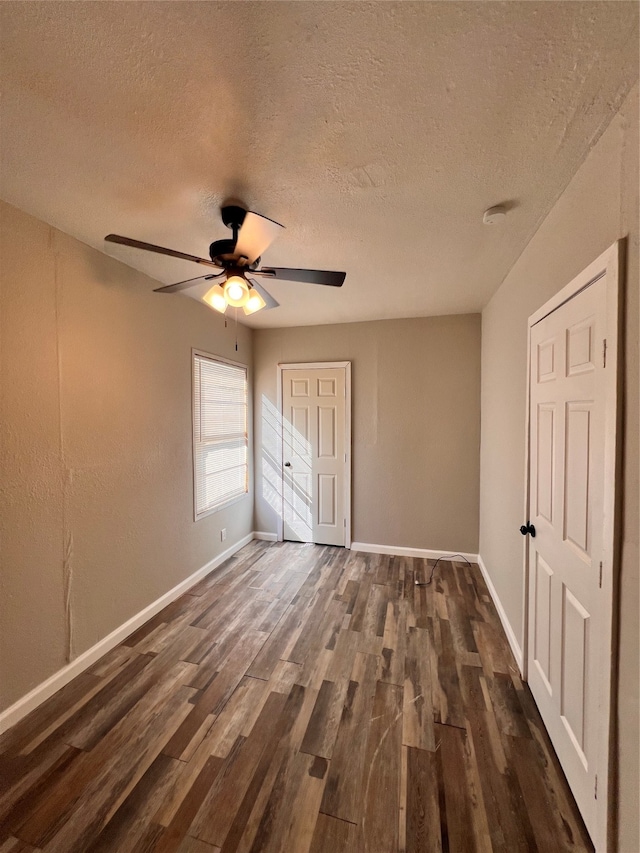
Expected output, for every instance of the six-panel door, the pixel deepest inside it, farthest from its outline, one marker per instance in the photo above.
(313, 448)
(566, 505)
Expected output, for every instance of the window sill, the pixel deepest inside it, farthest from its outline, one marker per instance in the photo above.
(218, 507)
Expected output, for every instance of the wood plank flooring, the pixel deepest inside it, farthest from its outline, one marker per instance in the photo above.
(300, 699)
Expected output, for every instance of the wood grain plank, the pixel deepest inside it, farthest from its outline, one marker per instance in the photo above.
(424, 781)
(332, 835)
(15, 845)
(381, 793)
(72, 695)
(214, 698)
(506, 706)
(360, 606)
(461, 625)
(472, 682)
(446, 695)
(289, 819)
(394, 643)
(553, 825)
(249, 816)
(171, 838)
(285, 634)
(266, 710)
(508, 821)
(107, 706)
(17, 810)
(93, 775)
(344, 789)
(194, 845)
(318, 655)
(417, 729)
(215, 817)
(459, 836)
(313, 627)
(131, 822)
(496, 656)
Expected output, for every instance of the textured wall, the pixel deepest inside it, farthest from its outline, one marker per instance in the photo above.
(416, 420)
(97, 508)
(599, 206)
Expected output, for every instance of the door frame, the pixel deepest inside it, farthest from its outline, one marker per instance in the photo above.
(320, 365)
(609, 264)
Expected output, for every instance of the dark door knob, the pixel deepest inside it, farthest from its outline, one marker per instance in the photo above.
(287, 464)
(528, 528)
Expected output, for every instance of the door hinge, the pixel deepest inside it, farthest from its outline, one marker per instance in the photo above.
(595, 791)
(600, 581)
(604, 352)
(344, 522)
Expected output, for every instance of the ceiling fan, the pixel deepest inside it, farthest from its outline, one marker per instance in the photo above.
(237, 262)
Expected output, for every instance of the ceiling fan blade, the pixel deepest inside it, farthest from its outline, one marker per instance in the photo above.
(256, 235)
(268, 298)
(183, 285)
(328, 277)
(150, 247)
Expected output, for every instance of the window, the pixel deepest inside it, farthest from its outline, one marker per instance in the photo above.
(220, 441)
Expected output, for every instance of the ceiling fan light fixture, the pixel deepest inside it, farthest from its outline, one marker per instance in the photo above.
(215, 298)
(254, 303)
(236, 291)
(233, 260)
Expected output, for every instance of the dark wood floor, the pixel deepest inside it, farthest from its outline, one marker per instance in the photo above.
(300, 698)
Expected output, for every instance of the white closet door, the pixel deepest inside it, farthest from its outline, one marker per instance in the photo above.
(566, 602)
(314, 454)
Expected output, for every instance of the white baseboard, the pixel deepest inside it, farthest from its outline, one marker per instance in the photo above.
(511, 636)
(39, 694)
(399, 551)
(267, 537)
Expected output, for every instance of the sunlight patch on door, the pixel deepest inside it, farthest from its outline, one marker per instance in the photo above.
(279, 432)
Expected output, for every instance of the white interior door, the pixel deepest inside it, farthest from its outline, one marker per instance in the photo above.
(569, 611)
(314, 454)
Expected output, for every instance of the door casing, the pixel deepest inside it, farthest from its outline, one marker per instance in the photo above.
(313, 365)
(609, 264)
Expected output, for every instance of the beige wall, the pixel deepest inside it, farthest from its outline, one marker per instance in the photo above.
(416, 420)
(599, 206)
(96, 447)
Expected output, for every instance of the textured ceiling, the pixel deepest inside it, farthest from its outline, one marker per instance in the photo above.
(376, 132)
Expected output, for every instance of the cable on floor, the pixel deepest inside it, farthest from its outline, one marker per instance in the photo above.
(433, 568)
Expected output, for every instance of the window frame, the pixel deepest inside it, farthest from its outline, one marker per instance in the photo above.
(197, 516)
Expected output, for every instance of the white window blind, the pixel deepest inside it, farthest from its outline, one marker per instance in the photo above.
(219, 433)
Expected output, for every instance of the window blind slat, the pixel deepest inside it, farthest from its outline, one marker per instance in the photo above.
(220, 441)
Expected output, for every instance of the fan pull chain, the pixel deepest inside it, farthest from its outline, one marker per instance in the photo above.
(236, 330)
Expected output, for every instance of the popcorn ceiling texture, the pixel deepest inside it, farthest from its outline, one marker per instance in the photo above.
(377, 133)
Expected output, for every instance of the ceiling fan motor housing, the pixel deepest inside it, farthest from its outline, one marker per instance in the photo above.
(233, 216)
(222, 252)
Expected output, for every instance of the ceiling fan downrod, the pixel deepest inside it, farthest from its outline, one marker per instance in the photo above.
(223, 252)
